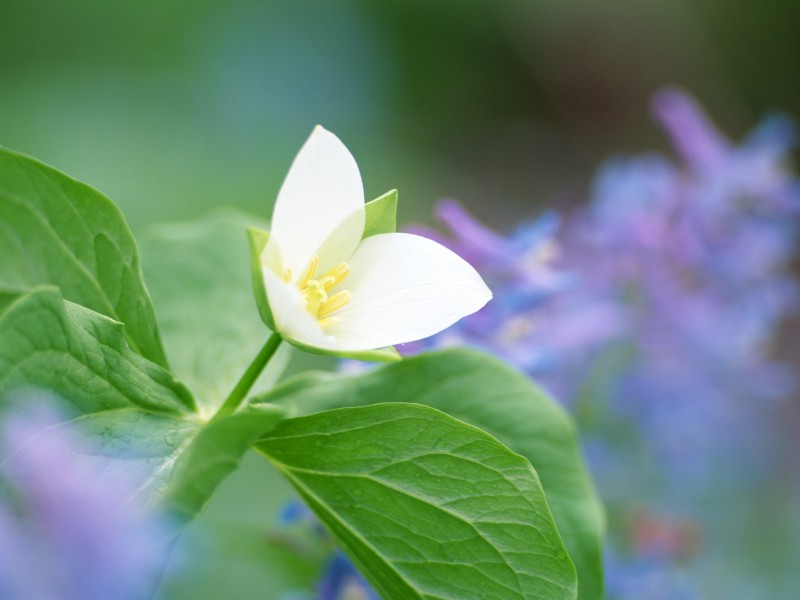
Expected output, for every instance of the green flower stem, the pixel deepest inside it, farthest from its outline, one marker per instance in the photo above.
(247, 380)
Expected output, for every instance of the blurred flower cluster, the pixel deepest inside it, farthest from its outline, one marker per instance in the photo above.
(68, 529)
(653, 312)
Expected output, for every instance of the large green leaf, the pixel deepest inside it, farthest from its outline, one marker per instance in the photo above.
(76, 320)
(485, 392)
(199, 275)
(57, 231)
(426, 505)
(82, 356)
(131, 407)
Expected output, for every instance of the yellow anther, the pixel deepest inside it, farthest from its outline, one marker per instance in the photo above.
(329, 322)
(327, 282)
(310, 270)
(336, 275)
(335, 302)
(287, 275)
(315, 291)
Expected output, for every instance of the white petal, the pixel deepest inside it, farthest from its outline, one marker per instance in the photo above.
(342, 242)
(322, 191)
(405, 287)
(292, 320)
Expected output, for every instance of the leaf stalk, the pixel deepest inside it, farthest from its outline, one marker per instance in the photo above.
(237, 395)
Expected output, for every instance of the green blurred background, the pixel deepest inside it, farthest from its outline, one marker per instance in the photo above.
(172, 107)
(175, 107)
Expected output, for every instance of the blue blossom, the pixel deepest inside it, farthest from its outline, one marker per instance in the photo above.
(340, 580)
(651, 578)
(67, 530)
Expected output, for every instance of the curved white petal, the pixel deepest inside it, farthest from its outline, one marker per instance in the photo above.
(322, 191)
(292, 320)
(342, 242)
(405, 287)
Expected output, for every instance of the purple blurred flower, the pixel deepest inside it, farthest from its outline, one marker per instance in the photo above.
(683, 269)
(653, 312)
(723, 171)
(538, 322)
(693, 135)
(699, 258)
(68, 530)
(687, 264)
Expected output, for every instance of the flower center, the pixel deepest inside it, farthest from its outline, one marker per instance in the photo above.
(316, 292)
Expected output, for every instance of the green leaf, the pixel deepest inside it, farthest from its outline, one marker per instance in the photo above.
(82, 356)
(57, 231)
(131, 407)
(215, 452)
(484, 392)
(127, 404)
(381, 215)
(89, 335)
(199, 275)
(426, 506)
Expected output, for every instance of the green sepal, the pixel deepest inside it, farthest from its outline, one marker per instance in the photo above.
(378, 355)
(258, 241)
(381, 215)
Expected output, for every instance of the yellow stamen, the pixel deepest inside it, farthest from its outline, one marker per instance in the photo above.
(329, 322)
(312, 268)
(287, 275)
(336, 275)
(335, 302)
(315, 296)
(315, 291)
(327, 282)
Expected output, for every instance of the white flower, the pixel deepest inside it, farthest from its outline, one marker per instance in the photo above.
(330, 290)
